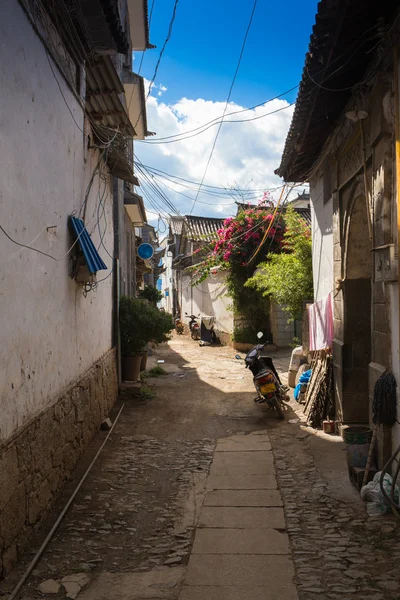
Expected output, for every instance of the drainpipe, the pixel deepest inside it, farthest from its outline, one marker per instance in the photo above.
(116, 276)
(397, 138)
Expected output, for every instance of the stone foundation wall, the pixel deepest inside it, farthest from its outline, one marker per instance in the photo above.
(36, 461)
(224, 338)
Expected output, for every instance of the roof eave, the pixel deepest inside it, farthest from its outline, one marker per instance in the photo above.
(139, 25)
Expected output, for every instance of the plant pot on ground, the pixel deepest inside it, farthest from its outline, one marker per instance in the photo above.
(130, 367)
(140, 323)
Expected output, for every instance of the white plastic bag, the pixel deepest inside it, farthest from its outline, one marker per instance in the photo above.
(376, 503)
(296, 359)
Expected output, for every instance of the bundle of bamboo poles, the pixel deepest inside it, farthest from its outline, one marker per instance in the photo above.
(319, 403)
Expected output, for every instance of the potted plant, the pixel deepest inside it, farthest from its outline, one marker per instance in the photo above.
(152, 294)
(140, 323)
(133, 326)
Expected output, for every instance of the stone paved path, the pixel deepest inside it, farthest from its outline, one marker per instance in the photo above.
(189, 502)
(241, 548)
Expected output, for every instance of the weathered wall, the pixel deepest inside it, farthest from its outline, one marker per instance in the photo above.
(366, 305)
(52, 398)
(322, 239)
(51, 334)
(209, 298)
(36, 461)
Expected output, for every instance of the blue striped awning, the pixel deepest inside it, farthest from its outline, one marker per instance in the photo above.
(93, 260)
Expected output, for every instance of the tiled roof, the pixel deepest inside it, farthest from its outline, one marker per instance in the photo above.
(305, 213)
(175, 224)
(202, 228)
(329, 77)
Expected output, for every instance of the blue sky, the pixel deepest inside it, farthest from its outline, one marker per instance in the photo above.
(201, 56)
(192, 85)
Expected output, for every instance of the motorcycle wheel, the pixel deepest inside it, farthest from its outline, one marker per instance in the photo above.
(277, 405)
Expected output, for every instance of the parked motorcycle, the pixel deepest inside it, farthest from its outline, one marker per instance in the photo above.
(194, 326)
(179, 326)
(266, 379)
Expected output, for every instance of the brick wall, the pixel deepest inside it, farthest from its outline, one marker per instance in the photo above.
(42, 455)
(282, 331)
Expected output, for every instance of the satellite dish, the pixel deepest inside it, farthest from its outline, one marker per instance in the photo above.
(145, 251)
(260, 335)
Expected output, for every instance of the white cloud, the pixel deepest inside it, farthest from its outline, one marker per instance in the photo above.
(245, 156)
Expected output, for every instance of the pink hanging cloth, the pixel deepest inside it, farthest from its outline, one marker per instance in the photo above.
(320, 317)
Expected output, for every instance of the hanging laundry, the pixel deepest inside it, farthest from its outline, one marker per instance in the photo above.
(320, 317)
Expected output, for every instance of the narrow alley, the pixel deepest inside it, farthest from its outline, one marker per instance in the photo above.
(188, 501)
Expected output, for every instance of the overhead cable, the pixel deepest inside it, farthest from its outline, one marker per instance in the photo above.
(227, 102)
(167, 39)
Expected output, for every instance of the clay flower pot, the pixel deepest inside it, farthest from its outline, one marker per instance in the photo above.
(130, 367)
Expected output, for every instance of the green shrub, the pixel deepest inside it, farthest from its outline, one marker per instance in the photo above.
(141, 323)
(151, 293)
(146, 393)
(157, 371)
(287, 277)
(248, 335)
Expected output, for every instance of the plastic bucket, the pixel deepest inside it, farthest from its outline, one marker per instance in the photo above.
(357, 439)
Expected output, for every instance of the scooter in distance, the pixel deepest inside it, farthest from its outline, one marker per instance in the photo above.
(266, 380)
(194, 326)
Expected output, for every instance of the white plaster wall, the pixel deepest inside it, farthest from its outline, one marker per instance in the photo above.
(51, 334)
(209, 298)
(166, 282)
(322, 240)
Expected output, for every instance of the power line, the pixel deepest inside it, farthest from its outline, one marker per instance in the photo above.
(215, 121)
(158, 191)
(256, 118)
(141, 60)
(155, 187)
(227, 102)
(169, 34)
(206, 185)
(191, 198)
(216, 195)
(235, 112)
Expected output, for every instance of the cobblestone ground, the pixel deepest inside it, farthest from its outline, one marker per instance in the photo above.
(133, 522)
(339, 551)
(131, 515)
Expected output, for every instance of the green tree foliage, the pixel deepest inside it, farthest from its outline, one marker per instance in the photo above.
(287, 277)
(233, 250)
(141, 323)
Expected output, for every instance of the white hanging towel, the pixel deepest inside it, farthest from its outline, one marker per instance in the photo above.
(320, 317)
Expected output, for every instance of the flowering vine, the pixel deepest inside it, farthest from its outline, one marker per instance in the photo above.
(233, 250)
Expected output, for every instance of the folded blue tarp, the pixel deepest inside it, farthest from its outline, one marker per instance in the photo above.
(305, 378)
